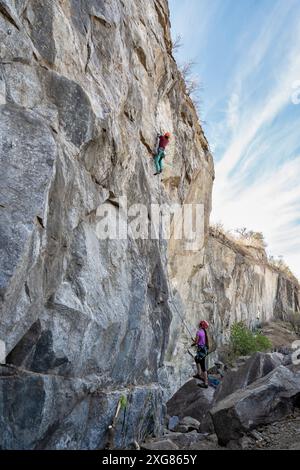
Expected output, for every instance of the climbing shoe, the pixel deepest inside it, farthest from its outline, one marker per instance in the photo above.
(197, 376)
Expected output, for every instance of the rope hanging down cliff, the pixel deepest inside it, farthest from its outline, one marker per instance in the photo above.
(171, 299)
(162, 142)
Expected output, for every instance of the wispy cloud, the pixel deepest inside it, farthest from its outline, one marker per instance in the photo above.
(233, 111)
(270, 34)
(186, 24)
(271, 201)
(270, 204)
(261, 114)
(251, 64)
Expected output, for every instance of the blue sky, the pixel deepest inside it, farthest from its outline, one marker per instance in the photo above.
(247, 55)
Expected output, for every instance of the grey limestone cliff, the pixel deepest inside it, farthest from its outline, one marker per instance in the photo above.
(85, 85)
(84, 88)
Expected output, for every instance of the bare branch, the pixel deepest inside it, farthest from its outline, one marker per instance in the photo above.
(177, 43)
(192, 83)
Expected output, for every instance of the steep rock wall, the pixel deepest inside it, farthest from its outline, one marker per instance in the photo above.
(232, 284)
(84, 88)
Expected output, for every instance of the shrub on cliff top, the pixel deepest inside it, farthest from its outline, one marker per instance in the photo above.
(243, 341)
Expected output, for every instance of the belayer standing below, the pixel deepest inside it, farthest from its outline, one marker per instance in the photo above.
(161, 152)
(202, 343)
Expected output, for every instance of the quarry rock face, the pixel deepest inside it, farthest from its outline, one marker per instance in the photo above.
(266, 400)
(41, 411)
(192, 402)
(244, 287)
(84, 89)
(230, 284)
(257, 366)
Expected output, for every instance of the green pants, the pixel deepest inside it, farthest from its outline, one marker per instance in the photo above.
(158, 159)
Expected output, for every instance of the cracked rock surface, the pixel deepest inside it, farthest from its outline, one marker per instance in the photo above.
(84, 89)
(85, 86)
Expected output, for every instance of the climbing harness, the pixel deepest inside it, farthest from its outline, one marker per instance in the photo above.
(193, 355)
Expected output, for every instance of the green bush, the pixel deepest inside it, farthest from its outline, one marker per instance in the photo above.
(243, 341)
(262, 342)
(123, 402)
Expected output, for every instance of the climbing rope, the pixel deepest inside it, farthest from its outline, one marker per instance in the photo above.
(168, 282)
(180, 316)
(171, 300)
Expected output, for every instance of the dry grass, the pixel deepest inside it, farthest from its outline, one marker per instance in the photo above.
(244, 240)
(238, 237)
(281, 333)
(280, 265)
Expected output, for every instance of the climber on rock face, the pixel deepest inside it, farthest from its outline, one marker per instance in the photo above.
(202, 343)
(160, 154)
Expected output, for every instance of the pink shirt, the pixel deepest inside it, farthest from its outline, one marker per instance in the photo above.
(163, 142)
(201, 339)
